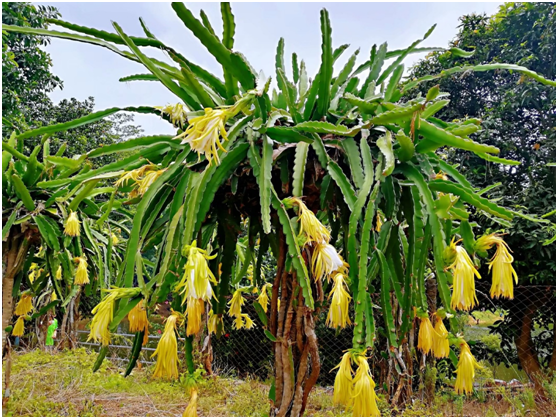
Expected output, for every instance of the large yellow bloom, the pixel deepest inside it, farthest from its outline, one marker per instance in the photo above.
(25, 305)
(343, 386)
(150, 177)
(167, 351)
(310, 226)
(204, 132)
(338, 315)
(503, 273)
(465, 370)
(176, 113)
(441, 347)
(248, 323)
(194, 311)
(197, 278)
(71, 227)
(463, 296)
(82, 277)
(138, 320)
(263, 298)
(325, 261)
(364, 397)
(236, 303)
(19, 327)
(191, 410)
(104, 311)
(426, 335)
(213, 322)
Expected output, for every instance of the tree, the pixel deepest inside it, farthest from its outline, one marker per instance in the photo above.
(316, 169)
(519, 117)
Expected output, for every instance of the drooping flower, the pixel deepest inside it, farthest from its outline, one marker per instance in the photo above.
(167, 351)
(485, 243)
(150, 177)
(441, 175)
(463, 296)
(503, 273)
(104, 311)
(25, 305)
(364, 397)
(441, 347)
(338, 315)
(426, 335)
(33, 272)
(238, 322)
(176, 113)
(53, 296)
(465, 370)
(197, 278)
(138, 320)
(191, 410)
(82, 276)
(19, 327)
(213, 322)
(248, 323)
(204, 133)
(71, 227)
(194, 311)
(325, 261)
(263, 298)
(343, 386)
(379, 221)
(114, 239)
(314, 231)
(134, 175)
(236, 303)
(59, 272)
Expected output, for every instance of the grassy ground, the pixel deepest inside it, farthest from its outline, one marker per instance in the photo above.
(62, 384)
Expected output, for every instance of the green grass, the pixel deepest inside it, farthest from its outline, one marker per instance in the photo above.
(62, 384)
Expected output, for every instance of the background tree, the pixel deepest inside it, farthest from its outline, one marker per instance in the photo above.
(519, 117)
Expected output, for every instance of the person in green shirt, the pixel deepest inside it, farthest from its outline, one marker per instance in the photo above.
(51, 333)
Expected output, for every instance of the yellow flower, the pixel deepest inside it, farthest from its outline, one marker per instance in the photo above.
(463, 296)
(484, 243)
(19, 327)
(33, 271)
(426, 335)
(338, 315)
(24, 306)
(194, 311)
(192, 408)
(379, 221)
(325, 261)
(71, 227)
(213, 322)
(82, 277)
(176, 113)
(53, 296)
(148, 179)
(314, 230)
(364, 397)
(441, 347)
(134, 175)
(248, 323)
(103, 314)
(138, 320)
(236, 303)
(59, 272)
(465, 370)
(102, 317)
(238, 322)
(167, 351)
(114, 238)
(441, 175)
(343, 386)
(263, 298)
(197, 278)
(204, 132)
(503, 273)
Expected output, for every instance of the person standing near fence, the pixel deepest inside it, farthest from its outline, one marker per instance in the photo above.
(51, 334)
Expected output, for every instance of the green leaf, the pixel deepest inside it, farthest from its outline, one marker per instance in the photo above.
(341, 180)
(499, 160)
(269, 335)
(138, 77)
(301, 154)
(353, 156)
(322, 127)
(264, 183)
(326, 67)
(385, 145)
(344, 74)
(134, 144)
(391, 93)
(10, 221)
(286, 135)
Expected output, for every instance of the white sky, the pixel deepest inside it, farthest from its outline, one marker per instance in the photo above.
(88, 70)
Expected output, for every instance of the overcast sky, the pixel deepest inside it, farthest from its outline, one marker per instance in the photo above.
(88, 70)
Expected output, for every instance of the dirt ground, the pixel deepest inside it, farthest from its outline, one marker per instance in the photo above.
(62, 384)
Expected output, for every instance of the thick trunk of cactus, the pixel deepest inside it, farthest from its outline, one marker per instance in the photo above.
(297, 362)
